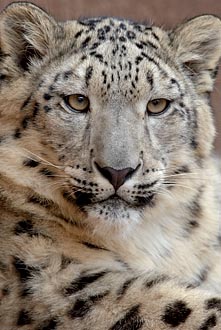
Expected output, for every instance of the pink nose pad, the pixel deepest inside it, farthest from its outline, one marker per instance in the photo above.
(116, 177)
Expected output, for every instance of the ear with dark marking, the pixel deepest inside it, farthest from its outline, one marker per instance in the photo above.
(25, 33)
(197, 44)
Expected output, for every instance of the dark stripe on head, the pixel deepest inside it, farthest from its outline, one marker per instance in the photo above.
(89, 72)
(35, 109)
(85, 42)
(67, 74)
(26, 102)
(25, 122)
(150, 79)
(78, 34)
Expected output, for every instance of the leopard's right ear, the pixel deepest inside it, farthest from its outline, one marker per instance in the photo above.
(26, 32)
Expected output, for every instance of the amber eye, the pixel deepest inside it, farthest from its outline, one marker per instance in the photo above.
(77, 102)
(157, 106)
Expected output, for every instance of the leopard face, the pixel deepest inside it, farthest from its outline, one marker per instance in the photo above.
(115, 112)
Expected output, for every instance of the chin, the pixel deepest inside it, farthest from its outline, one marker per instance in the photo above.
(113, 214)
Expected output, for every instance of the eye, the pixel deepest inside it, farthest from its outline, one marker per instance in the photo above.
(77, 102)
(157, 106)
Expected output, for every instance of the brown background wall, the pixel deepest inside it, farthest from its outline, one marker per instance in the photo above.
(163, 12)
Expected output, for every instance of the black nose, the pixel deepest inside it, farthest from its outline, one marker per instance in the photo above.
(116, 177)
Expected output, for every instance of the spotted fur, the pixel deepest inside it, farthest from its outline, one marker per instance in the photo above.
(75, 253)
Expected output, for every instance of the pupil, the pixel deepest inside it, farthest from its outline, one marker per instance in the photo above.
(156, 102)
(80, 99)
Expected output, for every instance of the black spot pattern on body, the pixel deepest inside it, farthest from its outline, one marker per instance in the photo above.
(23, 318)
(5, 291)
(17, 134)
(49, 325)
(23, 227)
(82, 307)
(126, 285)
(65, 261)
(203, 274)
(156, 280)
(131, 320)
(209, 323)
(24, 271)
(2, 139)
(2, 76)
(176, 313)
(214, 303)
(82, 282)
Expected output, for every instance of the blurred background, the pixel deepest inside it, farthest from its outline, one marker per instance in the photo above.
(166, 13)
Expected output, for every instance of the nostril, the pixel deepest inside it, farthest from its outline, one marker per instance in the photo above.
(115, 177)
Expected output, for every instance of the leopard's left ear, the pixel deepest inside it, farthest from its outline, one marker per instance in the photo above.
(197, 45)
(26, 32)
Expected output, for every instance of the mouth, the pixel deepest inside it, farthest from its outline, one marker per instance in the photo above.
(87, 199)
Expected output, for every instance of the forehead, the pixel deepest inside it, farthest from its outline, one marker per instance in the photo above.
(111, 40)
(119, 52)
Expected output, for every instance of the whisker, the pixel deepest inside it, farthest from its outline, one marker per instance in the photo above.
(42, 159)
(175, 184)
